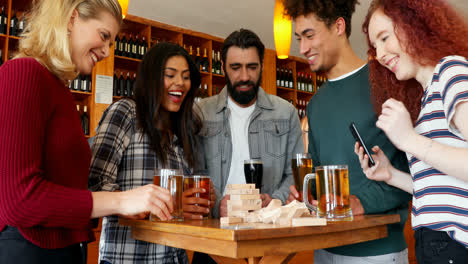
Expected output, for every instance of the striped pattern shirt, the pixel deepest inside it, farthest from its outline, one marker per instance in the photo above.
(123, 160)
(440, 201)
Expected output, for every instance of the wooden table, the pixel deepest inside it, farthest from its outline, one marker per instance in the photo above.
(262, 244)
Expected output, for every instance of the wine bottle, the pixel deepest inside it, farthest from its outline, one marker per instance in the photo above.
(282, 78)
(124, 51)
(291, 79)
(131, 43)
(133, 84)
(3, 21)
(21, 25)
(205, 62)
(85, 120)
(218, 66)
(128, 85)
(115, 84)
(88, 83)
(120, 91)
(13, 25)
(213, 62)
(198, 61)
(77, 83)
(117, 45)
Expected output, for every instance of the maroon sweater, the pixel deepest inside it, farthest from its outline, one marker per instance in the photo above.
(44, 158)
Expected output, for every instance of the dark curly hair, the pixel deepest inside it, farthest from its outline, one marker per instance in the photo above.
(326, 10)
(431, 30)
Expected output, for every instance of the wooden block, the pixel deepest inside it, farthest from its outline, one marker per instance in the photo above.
(244, 205)
(309, 221)
(230, 220)
(243, 191)
(270, 216)
(238, 213)
(275, 203)
(240, 186)
(252, 217)
(244, 197)
(297, 212)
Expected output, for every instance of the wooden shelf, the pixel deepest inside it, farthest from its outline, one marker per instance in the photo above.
(304, 92)
(285, 88)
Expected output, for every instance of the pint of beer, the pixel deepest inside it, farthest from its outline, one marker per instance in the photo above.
(332, 192)
(301, 165)
(171, 179)
(253, 171)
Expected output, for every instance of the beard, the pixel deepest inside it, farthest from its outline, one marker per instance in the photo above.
(243, 97)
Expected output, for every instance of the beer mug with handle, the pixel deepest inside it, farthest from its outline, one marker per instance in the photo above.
(332, 185)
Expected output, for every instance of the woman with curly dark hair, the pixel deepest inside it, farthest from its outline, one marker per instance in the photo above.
(419, 76)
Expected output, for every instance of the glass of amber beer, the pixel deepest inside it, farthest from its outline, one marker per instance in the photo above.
(171, 179)
(332, 192)
(198, 181)
(301, 165)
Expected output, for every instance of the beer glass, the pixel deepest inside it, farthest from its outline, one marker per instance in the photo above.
(301, 165)
(253, 171)
(171, 179)
(198, 181)
(332, 192)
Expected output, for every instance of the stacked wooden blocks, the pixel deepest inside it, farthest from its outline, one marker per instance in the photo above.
(245, 206)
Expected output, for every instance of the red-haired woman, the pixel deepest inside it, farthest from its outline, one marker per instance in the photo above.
(419, 75)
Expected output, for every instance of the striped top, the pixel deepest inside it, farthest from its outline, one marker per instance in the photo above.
(440, 201)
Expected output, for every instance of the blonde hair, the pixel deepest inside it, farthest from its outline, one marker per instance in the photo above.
(45, 37)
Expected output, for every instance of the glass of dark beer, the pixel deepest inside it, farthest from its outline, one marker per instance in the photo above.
(253, 171)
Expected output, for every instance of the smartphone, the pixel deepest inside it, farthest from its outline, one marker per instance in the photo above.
(358, 138)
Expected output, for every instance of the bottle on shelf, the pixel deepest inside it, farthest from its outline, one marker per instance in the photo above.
(218, 69)
(117, 45)
(128, 85)
(115, 85)
(124, 43)
(277, 76)
(121, 89)
(205, 63)
(85, 120)
(291, 79)
(198, 59)
(21, 25)
(131, 46)
(143, 47)
(13, 25)
(190, 50)
(3, 21)
(213, 62)
(133, 84)
(77, 84)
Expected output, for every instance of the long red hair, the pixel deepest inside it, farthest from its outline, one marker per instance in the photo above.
(432, 30)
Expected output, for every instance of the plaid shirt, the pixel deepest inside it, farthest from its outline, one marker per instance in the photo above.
(123, 160)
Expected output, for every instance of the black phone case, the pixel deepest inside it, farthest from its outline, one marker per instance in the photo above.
(358, 138)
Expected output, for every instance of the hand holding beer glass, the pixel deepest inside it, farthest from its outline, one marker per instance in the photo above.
(332, 192)
(197, 202)
(301, 165)
(172, 180)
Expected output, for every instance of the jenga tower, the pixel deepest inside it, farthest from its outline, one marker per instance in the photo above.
(243, 198)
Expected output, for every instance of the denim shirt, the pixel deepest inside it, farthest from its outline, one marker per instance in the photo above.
(274, 137)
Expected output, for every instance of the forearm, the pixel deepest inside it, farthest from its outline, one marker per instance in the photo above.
(401, 180)
(447, 159)
(105, 203)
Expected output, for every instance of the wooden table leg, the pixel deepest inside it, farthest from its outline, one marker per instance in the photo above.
(226, 260)
(254, 260)
(276, 259)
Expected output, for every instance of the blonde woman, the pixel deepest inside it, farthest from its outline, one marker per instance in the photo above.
(45, 207)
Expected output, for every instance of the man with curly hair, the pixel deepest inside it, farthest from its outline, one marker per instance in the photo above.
(322, 28)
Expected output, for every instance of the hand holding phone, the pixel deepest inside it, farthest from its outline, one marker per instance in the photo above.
(358, 138)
